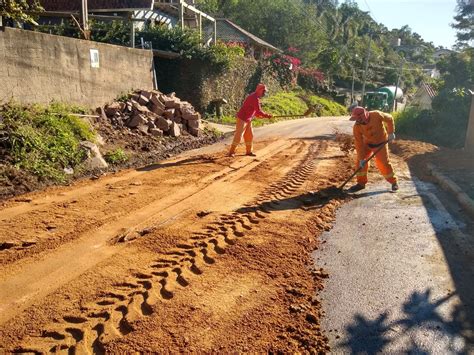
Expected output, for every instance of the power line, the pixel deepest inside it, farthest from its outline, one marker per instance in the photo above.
(370, 11)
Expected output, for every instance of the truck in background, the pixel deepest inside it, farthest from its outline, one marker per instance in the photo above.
(382, 99)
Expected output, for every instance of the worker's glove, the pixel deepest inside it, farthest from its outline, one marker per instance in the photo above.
(391, 137)
(362, 163)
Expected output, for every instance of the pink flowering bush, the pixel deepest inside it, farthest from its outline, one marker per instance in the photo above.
(284, 68)
(311, 79)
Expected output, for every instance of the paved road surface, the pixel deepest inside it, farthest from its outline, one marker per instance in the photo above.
(401, 274)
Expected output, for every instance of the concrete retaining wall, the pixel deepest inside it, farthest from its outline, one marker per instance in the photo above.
(198, 82)
(38, 68)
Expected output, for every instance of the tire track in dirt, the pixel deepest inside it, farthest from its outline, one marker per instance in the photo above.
(113, 314)
(35, 281)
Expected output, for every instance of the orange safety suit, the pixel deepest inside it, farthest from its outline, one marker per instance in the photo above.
(369, 137)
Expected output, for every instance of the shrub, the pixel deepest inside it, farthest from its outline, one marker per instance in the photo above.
(116, 156)
(187, 43)
(311, 79)
(444, 125)
(44, 140)
(283, 67)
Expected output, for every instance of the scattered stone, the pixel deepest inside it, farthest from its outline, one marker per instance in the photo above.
(202, 214)
(94, 159)
(174, 130)
(156, 132)
(311, 318)
(137, 120)
(157, 111)
(112, 109)
(143, 128)
(163, 124)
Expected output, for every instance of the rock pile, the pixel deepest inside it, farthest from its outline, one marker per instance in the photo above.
(154, 113)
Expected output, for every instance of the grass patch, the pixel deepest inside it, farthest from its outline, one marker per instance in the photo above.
(289, 103)
(117, 156)
(44, 140)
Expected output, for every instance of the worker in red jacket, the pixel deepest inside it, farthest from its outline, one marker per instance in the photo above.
(250, 109)
(372, 130)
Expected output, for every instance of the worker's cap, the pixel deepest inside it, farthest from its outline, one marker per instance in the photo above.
(261, 87)
(359, 114)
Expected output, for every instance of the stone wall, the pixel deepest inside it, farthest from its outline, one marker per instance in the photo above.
(38, 68)
(200, 84)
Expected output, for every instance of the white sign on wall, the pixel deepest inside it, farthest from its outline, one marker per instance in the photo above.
(95, 62)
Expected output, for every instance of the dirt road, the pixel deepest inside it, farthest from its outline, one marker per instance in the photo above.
(199, 253)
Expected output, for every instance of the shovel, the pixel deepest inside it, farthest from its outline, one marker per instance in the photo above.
(336, 191)
(360, 168)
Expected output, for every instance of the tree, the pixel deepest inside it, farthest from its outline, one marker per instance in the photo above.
(464, 23)
(18, 10)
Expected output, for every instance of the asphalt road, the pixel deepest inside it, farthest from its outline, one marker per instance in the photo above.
(401, 265)
(401, 274)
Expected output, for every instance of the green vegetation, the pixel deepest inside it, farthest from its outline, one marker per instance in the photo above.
(331, 36)
(185, 42)
(446, 123)
(289, 103)
(17, 10)
(117, 156)
(44, 140)
(284, 103)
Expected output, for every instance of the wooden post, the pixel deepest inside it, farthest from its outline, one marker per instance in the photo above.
(469, 143)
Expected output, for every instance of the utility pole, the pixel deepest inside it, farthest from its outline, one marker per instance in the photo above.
(352, 89)
(469, 143)
(394, 105)
(366, 66)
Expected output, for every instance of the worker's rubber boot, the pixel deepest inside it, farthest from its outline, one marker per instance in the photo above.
(251, 154)
(356, 187)
(395, 187)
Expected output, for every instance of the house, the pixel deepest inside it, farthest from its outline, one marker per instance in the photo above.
(227, 31)
(165, 12)
(441, 53)
(432, 71)
(423, 97)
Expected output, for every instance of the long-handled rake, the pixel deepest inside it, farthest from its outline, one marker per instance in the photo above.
(307, 113)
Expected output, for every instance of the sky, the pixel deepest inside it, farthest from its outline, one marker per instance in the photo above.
(431, 19)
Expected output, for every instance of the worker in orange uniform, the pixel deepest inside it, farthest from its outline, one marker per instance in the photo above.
(372, 130)
(250, 109)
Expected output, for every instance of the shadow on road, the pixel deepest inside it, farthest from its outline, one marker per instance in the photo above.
(420, 313)
(188, 161)
(457, 246)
